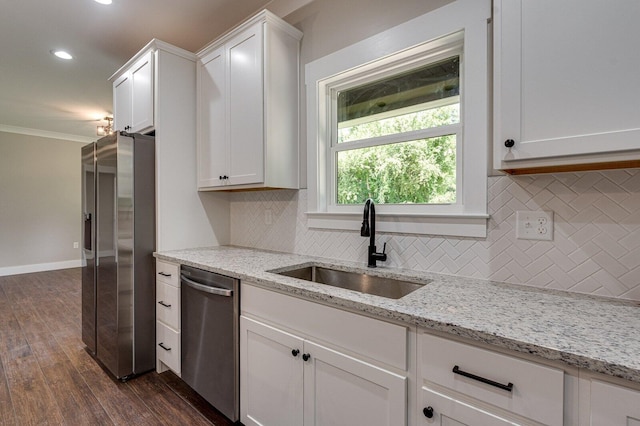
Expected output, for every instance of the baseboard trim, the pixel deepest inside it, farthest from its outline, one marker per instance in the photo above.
(39, 267)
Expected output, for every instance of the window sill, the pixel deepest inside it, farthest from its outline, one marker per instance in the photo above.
(460, 225)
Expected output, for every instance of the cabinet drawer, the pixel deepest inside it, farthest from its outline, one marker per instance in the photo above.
(344, 329)
(533, 385)
(168, 346)
(168, 305)
(446, 410)
(168, 273)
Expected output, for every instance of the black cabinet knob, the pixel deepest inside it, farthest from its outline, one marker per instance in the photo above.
(220, 177)
(295, 352)
(509, 143)
(428, 412)
(306, 357)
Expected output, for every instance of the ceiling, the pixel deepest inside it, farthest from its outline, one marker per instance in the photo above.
(41, 94)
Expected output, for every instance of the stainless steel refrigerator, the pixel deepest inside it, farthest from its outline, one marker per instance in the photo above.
(118, 224)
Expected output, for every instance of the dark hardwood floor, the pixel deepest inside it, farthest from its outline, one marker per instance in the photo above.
(48, 378)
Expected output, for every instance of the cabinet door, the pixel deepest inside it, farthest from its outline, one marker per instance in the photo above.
(271, 375)
(122, 102)
(441, 410)
(246, 107)
(566, 78)
(614, 405)
(213, 147)
(342, 390)
(142, 94)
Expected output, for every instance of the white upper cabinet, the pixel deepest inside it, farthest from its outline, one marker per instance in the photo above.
(246, 150)
(155, 91)
(567, 92)
(133, 97)
(212, 123)
(142, 94)
(247, 107)
(122, 102)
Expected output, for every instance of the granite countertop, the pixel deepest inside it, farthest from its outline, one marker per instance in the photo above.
(601, 335)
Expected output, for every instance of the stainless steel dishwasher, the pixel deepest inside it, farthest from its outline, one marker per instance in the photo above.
(210, 312)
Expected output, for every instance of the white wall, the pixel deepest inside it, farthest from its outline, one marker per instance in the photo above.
(596, 247)
(39, 203)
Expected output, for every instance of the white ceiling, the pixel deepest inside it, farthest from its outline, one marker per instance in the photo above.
(43, 93)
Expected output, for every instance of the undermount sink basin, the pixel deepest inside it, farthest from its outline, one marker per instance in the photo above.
(369, 284)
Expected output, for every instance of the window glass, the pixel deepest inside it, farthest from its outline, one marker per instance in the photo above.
(414, 172)
(421, 86)
(379, 150)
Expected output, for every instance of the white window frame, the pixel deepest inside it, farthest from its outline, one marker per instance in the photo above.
(463, 22)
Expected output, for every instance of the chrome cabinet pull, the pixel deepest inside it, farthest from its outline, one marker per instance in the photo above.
(508, 387)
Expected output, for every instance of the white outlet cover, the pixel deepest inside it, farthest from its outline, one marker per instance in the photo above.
(534, 225)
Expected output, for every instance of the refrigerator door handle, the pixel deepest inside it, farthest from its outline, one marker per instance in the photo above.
(87, 231)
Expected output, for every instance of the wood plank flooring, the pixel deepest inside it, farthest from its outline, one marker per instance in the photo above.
(48, 378)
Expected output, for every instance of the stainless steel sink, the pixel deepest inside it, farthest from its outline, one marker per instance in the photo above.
(370, 284)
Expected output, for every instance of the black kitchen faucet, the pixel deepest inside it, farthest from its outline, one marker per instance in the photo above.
(369, 230)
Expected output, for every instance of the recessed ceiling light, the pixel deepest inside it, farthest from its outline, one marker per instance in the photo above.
(104, 1)
(62, 54)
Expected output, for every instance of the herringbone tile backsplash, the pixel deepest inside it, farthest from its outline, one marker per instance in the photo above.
(595, 250)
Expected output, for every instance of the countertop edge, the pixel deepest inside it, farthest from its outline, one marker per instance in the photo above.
(477, 335)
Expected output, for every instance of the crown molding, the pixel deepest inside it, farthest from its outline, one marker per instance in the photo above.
(45, 134)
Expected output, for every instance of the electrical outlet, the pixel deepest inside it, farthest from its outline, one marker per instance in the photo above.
(75, 244)
(536, 225)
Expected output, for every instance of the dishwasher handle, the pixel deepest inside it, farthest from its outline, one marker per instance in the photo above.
(207, 289)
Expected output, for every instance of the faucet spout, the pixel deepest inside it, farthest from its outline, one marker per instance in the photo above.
(368, 229)
(365, 230)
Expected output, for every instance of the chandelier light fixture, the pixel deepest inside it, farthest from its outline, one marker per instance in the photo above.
(105, 130)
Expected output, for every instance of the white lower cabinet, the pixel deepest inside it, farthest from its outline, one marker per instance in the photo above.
(343, 390)
(304, 363)
(288, 380)
(291, 378)
(459, 382)
(613, 405)
(167, 317)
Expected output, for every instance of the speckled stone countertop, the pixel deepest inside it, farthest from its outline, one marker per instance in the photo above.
(601, 335)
